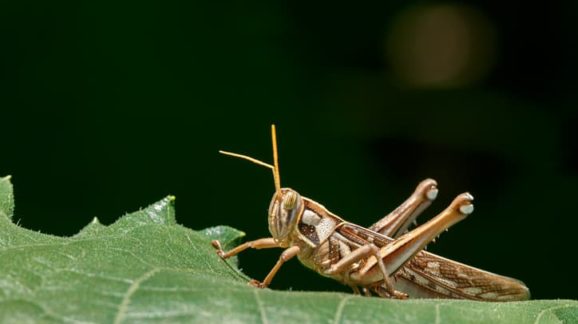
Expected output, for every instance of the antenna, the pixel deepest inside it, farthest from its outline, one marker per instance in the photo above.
(276, 176)
(274, 167)
(248, 158)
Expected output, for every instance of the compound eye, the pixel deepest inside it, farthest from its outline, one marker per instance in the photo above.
(290, 200)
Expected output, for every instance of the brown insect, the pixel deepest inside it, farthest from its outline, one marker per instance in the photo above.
(384, 259)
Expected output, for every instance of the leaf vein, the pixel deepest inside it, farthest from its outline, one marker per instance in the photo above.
(260, 306)
(549, 309)
(122, 309)
(339, 311)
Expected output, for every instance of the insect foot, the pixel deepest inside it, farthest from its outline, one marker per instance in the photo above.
(217, 245)
(256, 283)
(395, 294)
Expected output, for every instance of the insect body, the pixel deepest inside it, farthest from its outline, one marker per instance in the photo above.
(384, 259)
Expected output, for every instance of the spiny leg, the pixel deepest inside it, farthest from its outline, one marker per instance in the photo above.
(285, 256)
(397, 222)
(362, 253)
(264, 243)
(395, 254)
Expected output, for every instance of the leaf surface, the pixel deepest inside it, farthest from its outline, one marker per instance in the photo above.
(147, 268)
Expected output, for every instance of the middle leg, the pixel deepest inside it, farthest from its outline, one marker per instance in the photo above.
(362, 253)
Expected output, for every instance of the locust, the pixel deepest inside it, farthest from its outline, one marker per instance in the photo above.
(386, 259)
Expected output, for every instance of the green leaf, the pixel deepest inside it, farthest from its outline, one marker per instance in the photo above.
(6, 197)
(147, 268)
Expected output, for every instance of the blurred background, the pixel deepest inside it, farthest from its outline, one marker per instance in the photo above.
(107, 106)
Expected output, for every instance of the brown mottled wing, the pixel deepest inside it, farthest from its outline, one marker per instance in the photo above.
(443, 278)
(427, 275)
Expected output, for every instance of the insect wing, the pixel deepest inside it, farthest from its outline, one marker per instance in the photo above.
(439, 277)
(362, 236)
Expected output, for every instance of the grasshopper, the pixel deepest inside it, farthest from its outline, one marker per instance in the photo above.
(385, 259)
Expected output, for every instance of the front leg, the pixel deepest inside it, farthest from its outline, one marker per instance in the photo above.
(285, 256)
(264, 243)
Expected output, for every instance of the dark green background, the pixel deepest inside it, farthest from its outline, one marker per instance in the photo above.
(106, 107)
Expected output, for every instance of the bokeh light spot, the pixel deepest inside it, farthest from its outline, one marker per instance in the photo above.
(441, 46)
